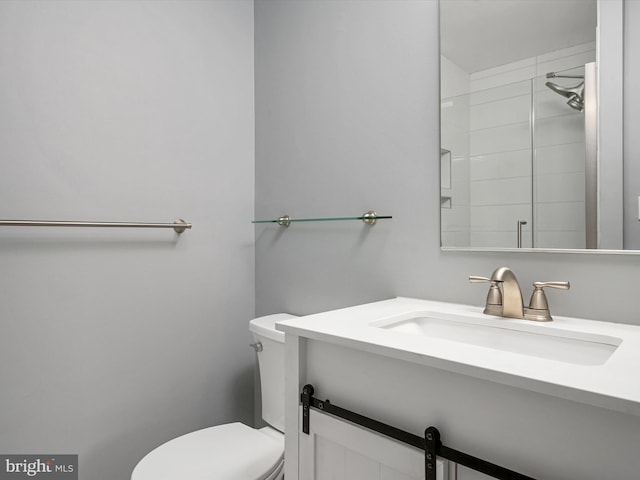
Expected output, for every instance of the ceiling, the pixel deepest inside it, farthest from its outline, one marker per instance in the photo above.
(480, 34)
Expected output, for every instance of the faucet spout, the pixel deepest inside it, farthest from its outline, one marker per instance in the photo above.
(512, 305)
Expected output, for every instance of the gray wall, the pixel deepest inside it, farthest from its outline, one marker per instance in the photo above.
(347, 109)
(113, 342)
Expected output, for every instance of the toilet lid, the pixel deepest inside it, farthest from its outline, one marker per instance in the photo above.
(224, 452)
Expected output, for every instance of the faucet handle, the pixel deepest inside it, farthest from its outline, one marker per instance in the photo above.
(560, 285)
(494, 297)
(477, 279)
(538, 305)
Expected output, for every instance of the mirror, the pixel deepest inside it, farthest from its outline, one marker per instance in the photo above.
(526, 121)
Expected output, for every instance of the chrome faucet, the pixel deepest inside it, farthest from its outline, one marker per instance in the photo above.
(507, 302)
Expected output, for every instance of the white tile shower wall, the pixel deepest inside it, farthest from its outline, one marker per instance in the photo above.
(487, 219)
(560, 130)
(565, 58)
(528, 68)
(559, 174)
(556, 159)
(500, 139)
(455, 137)
(503, 75)
(501, 173)
(500, 112)
(455, 81)
(516, 163)
(455, 220)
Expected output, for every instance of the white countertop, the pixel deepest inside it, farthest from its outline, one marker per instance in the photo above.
(615, 384)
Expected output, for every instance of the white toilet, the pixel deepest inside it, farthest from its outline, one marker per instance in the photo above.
(233, 451)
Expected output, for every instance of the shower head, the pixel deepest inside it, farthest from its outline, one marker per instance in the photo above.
(574, 94)
(566, 91)
(576, 102)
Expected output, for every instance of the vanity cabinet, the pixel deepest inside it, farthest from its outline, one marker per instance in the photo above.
(538, 430)
(338, 450)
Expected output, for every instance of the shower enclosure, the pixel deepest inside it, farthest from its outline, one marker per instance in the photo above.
(518, 164)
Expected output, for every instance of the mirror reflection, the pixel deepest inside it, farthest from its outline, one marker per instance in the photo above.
(519, 124)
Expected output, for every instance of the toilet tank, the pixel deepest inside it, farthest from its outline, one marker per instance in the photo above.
(271, 366)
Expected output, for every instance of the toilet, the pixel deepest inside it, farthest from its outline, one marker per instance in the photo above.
(233, 451)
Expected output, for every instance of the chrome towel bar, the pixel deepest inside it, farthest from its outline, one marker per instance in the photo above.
(178, 226)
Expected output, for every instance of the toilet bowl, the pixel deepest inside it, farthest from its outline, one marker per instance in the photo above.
(232, 451)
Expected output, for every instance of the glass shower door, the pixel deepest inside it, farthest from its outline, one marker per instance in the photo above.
(559, 162)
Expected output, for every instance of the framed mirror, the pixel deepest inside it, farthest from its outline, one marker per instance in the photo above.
(531, 128)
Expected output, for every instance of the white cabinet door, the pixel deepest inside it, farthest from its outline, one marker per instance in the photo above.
(338, 450)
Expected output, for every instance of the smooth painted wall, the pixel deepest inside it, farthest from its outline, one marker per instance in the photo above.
(113, 342)
(347, 120)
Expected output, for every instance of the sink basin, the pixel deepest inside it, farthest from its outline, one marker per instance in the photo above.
(536, 340)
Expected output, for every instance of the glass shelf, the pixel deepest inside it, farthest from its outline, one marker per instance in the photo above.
(369, 218)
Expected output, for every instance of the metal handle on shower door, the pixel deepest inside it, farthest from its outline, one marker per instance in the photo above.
(520, 224)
